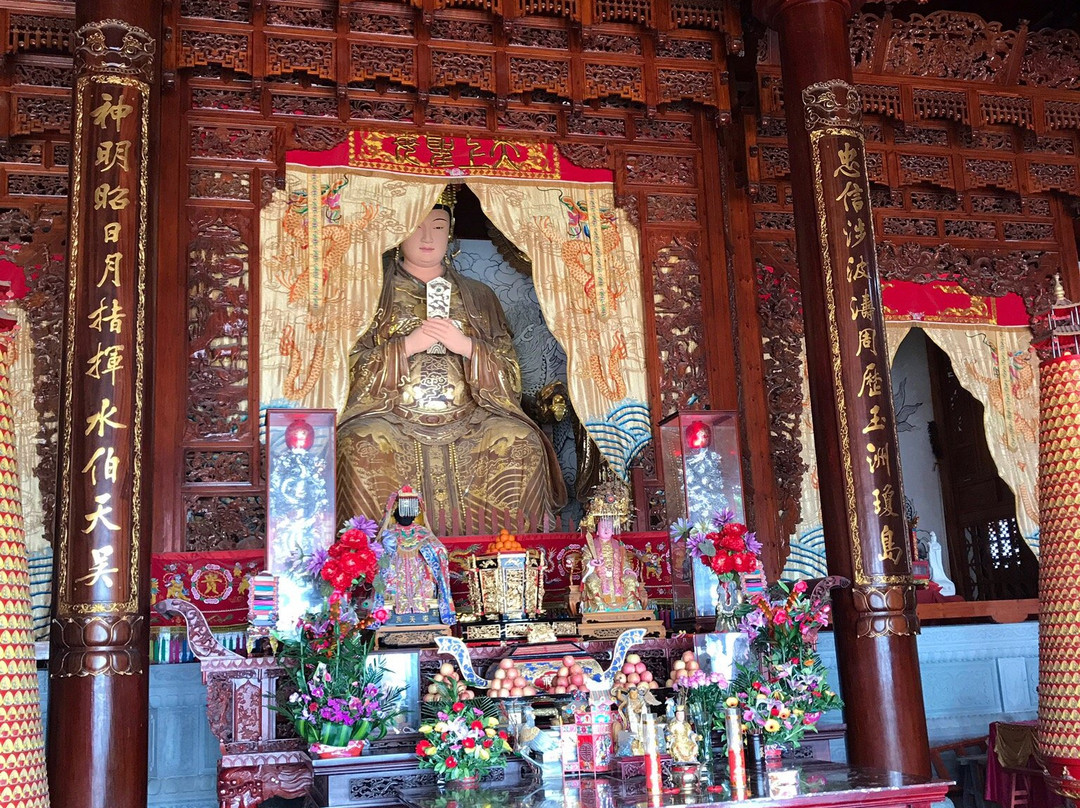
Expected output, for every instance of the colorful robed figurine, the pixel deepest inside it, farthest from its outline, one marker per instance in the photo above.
(414, 566)
(435, 396)
(610, 581)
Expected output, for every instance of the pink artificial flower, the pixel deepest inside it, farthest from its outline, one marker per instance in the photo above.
(800, 586)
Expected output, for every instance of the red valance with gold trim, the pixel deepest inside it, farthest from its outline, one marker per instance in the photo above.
(949, 303)
(449, 156)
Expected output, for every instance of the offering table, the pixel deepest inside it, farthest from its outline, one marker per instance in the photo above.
(821, 785)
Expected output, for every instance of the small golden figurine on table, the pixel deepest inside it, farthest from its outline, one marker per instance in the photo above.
(612, 595)
(415, 573)
(682, 744)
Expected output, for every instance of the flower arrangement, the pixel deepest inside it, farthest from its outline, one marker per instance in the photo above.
(339, 697)
(725, 546)
(786, 692)
(463, 741)
(352, 562)
(348, 570)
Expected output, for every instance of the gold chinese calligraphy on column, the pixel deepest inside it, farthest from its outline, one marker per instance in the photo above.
(104, 357)
(859, 358)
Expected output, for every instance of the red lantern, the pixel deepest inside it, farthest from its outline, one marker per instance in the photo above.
(299, 435)
(698, 435)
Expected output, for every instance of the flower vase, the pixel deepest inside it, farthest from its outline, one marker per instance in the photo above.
(327, 752)
(729, 596)
(337, 740)
(774, 752)
(703, 727)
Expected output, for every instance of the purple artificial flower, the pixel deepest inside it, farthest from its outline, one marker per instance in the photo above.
(724, 517)
(752, 544)
(693, 544)
(371, 691)
(313, 564)
(681, 529)
(366, 526)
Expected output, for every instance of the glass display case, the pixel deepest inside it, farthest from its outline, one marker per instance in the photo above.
(702, 462)
(300, 503)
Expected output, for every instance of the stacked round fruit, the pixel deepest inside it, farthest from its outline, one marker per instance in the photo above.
(447, 682)
(634, 672)
(505, 542)
(570, 678)
(509, 683)
(683, 667)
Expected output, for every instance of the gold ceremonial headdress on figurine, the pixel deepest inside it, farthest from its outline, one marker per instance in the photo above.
(610, 500)
(448, 198)
(448, 201)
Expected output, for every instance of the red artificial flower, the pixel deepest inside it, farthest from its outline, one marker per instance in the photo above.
(733, 543)
(451, 763)
(478, 724)
(420, 747)
(353, 538)
(468, 743)
(744, 562)
(487, 743)
(722, 564)
(457, 706)
(502, 734)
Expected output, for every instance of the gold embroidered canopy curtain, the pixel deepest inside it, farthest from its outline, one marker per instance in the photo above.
(587, 273)
(998, 366)
(322, 244)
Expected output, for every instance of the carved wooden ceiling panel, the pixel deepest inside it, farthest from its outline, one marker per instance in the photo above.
(954, 66)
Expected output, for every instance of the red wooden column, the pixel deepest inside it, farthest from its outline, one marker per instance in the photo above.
(851, 396)
(99, 666)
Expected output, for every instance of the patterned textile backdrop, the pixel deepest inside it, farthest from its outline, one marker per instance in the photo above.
(542, 359)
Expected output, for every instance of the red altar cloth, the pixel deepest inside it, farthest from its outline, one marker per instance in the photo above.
(217, 583)
(1006, 763)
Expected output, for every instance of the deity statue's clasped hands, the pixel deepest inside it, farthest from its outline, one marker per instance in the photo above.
(438, 330)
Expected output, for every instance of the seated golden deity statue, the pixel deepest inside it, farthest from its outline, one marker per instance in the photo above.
(435, 395)
(414, 567)
(610, 581)
(682, 741)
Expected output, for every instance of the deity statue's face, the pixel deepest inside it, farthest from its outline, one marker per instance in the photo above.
(426, 245)
(603, 529)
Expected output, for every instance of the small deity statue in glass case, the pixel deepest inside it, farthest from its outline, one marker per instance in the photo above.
(414, 567)
(610, 580)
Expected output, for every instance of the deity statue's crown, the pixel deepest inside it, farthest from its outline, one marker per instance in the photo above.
(408, 501)
(610, 500)
(448, 198)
